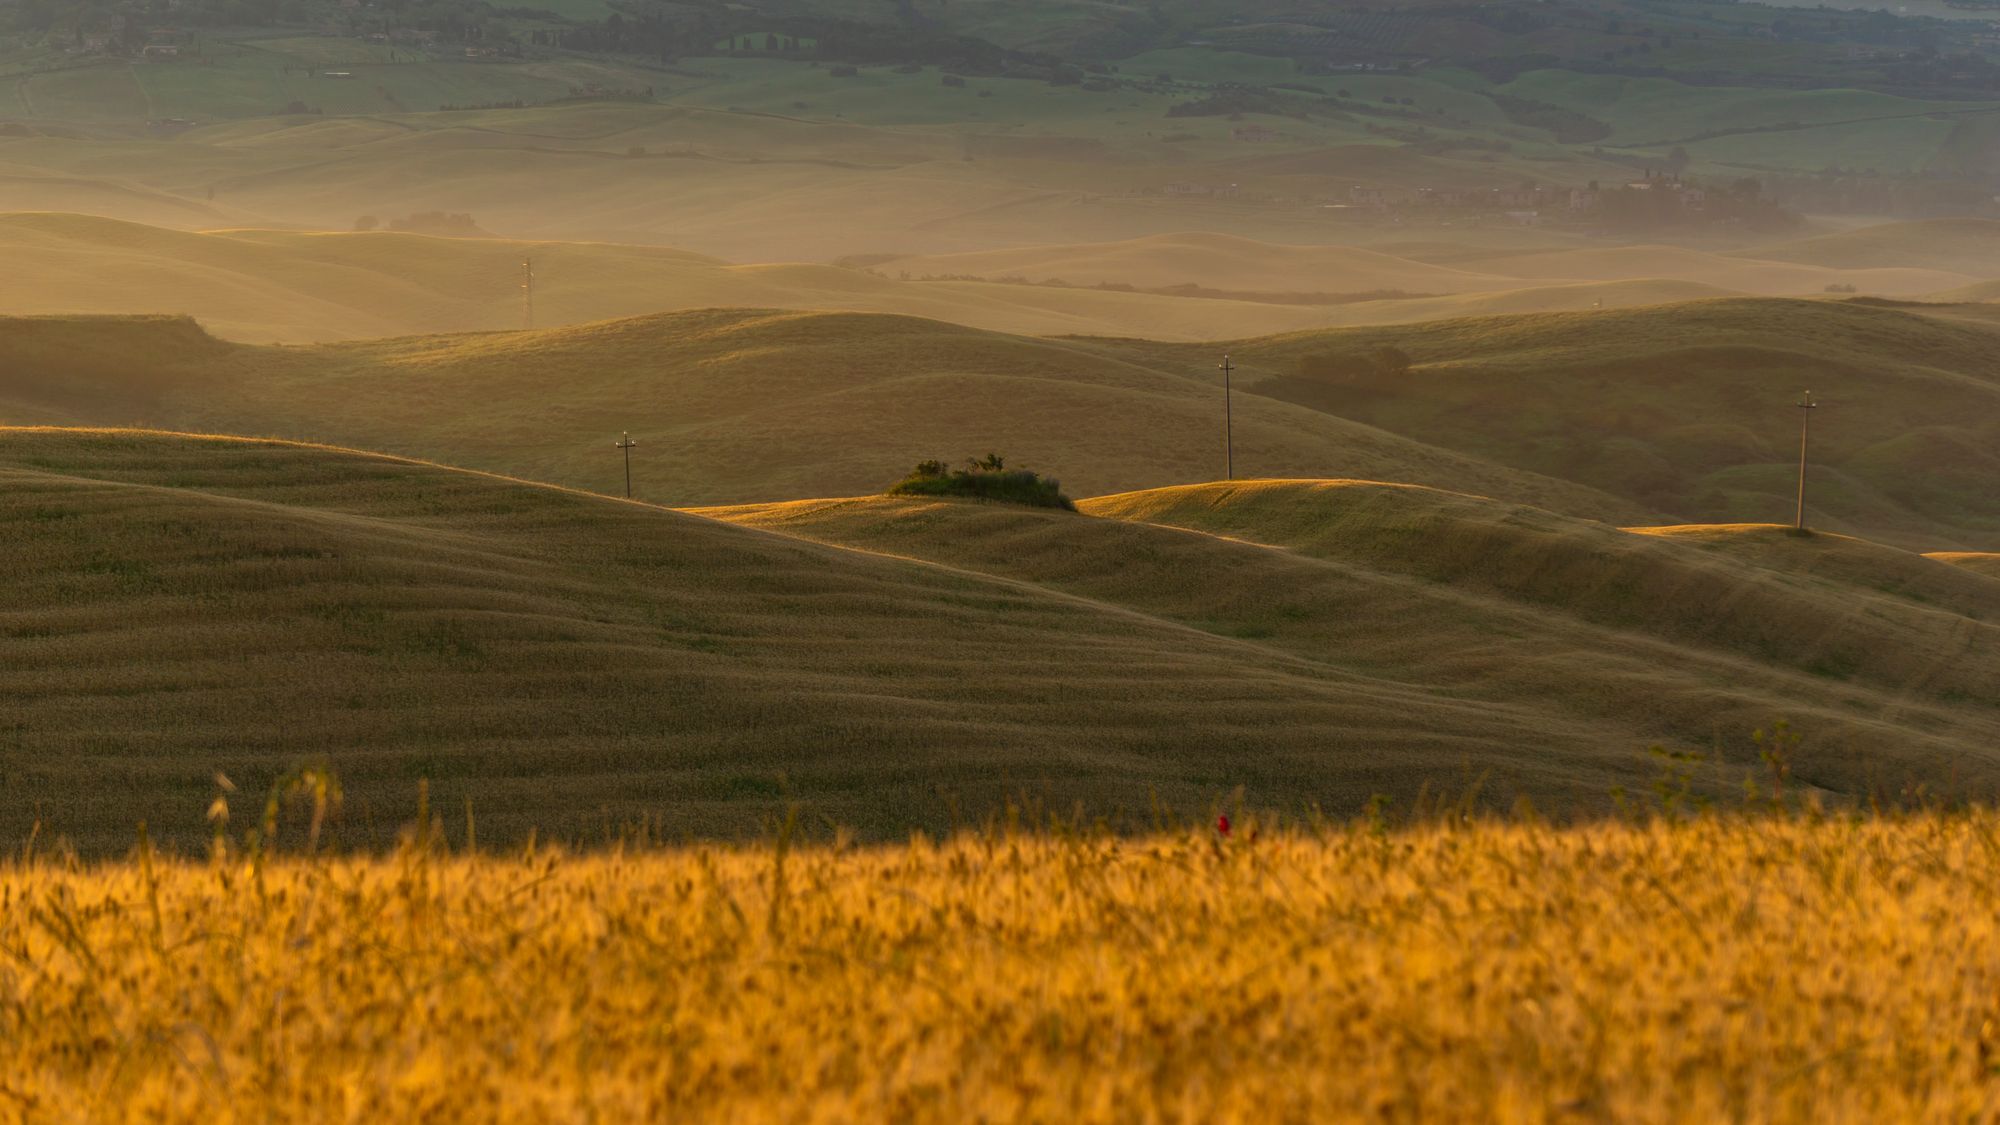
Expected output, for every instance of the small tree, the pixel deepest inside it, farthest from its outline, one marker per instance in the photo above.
(983, 478)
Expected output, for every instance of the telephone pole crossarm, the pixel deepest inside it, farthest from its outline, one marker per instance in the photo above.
(626, 443)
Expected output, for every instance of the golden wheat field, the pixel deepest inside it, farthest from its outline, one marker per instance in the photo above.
(1847, 970)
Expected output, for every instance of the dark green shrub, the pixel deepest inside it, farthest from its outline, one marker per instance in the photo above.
(987, 478)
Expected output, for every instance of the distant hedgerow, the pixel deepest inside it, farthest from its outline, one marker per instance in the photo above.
(986, 478)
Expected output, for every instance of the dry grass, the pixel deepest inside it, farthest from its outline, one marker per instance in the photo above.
(1613, 639)
(731, 406)
(1964, 245)
(1238, 264)
(1213, 261)
(264, 285)
(259, 286)
(1782, 970)
(1686, 408)
(1977, 561)
(570, 662)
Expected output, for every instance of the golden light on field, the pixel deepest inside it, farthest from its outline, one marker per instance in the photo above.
(1724, 968)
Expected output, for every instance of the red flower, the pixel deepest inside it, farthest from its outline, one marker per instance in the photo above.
(1222, 824)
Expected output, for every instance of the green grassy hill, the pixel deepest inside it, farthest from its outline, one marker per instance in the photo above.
(1684, 408)
(180, 606)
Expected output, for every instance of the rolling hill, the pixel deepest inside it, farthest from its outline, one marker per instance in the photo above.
(1220, 262)
(1212, 261)
(729, 405)
(1980, 562)
(1662, 415)
(1654, 632)
(264, 286)
(1957, 245)
(1683, 408)
(181, 606)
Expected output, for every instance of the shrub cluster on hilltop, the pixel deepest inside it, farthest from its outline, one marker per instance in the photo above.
(986, 478)
(1381, 367)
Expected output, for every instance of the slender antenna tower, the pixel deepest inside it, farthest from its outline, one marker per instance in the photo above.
(1228, 422)
(527, 293)
(1806, 406)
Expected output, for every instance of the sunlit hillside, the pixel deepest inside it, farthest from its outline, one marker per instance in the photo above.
(1002, 561)
(1509, 604)
(1670, 414)
(729, 405)
(261, 286)
(1684, 408)
(1447, 972)
(1980, 562)
(570, 663)
(264, 286)
(1239, 265)
(566, 661)
(1963, 245)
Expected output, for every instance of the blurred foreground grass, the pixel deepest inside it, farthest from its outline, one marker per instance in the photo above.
(1789, 968)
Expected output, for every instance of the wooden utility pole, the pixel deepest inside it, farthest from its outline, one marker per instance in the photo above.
(626, 443)
(527, 293)
(1228, 422)
(1806, 406)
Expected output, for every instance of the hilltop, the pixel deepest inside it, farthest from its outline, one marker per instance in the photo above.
(1661, 415)
(1230, 264)
(1682, 408)
(1959, 245)
(1580, 622)
(570, 661)
(1211, 261)
(740, 405)
(567, 661)
(262, 286)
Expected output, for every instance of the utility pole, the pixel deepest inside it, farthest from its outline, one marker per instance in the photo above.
(527, 293)
(1806, 405)
(1228, 422)
(626, 443)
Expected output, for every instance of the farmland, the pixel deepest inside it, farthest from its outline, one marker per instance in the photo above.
(1512, 971)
